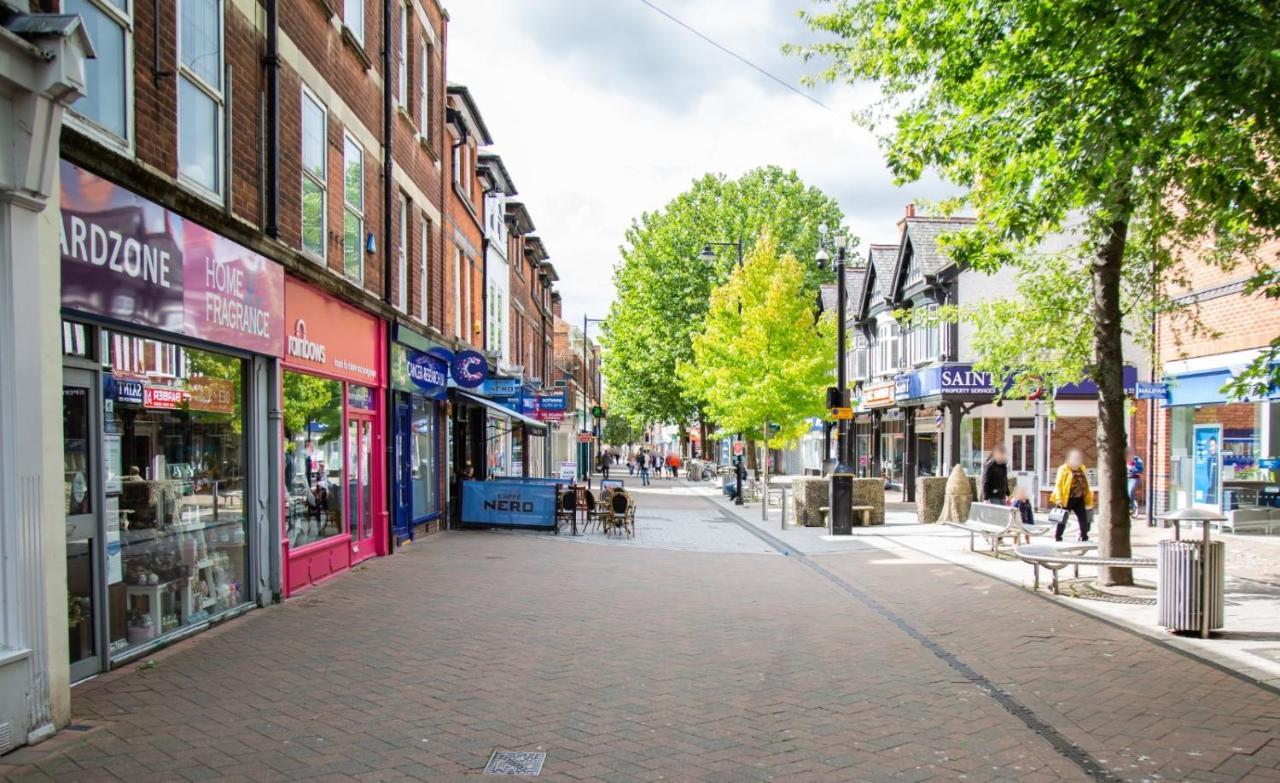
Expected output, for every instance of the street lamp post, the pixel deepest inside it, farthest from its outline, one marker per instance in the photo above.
(586, 461)
(843, 456)
(709, 256)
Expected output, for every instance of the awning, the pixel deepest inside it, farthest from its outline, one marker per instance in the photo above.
(532, 423)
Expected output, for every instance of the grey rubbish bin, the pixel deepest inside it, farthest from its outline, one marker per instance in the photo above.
(1180, 582)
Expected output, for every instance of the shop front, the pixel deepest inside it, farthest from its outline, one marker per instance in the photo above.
(170, 336)
(1223, 454)
(885, 436)
(419, 382)
(333, 396)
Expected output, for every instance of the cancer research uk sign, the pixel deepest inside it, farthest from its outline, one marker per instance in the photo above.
(132, 260)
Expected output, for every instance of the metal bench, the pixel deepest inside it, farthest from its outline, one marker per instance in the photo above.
(996, 523)
(1251, 520)
(1056, 557)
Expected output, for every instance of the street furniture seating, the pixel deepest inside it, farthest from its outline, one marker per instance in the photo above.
(620, 515)
(996, 523)
(1057, 556)
(590, 511)
(863, 512)
(1251, 520)
(566, 507)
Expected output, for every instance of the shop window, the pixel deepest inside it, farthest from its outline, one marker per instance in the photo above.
(200, 95)
(174, 475)
(109, 74)
(353, 209)
(313, 485)
(426, 463)
(315, 177)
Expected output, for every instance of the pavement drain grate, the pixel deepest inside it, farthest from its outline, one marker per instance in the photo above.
(513, 762)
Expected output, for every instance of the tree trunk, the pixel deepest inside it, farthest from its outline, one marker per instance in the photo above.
(1112, 503)
(753, 463)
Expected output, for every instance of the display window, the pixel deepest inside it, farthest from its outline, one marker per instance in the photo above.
(174, 482)
(313, 458)
(425, 451)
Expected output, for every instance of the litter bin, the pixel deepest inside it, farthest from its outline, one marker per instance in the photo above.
(840, 502)
(1180, 582)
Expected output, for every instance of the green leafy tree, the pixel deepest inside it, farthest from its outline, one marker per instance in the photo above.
(663, 287)
(1152, 126)
(761, 358)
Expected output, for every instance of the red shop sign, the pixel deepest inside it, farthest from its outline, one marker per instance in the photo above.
(329, 336)
(165, 397)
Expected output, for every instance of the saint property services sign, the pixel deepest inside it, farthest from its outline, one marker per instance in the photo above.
(132, 260)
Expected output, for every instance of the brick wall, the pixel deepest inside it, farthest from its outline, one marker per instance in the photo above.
(1070, 432)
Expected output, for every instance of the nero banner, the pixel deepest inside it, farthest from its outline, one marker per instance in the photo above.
(508, 504)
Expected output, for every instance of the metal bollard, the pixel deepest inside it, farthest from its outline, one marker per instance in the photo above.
(783, 525)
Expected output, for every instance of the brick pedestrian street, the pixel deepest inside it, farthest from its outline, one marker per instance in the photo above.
(631, 663)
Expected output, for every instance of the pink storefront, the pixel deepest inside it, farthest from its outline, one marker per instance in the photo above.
(333, 397)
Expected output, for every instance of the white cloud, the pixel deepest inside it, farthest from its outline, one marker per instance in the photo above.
(601, 116)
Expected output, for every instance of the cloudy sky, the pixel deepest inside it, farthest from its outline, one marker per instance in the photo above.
(602, 109)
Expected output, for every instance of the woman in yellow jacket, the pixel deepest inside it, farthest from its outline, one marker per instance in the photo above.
(1071, 491)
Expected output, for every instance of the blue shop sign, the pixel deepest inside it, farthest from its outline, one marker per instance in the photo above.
(1151, 390)
(502, 387)
(125, 392)
(961, 380)
(509, 504)
(469, 369)
(429, 374)
(555, 401)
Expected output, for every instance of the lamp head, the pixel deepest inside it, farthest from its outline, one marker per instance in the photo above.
(842, 241)
(707, 255)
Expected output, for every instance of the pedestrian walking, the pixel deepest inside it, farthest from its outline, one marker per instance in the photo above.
(631, 464)
(656, 463)
(1133, 471)
(604, 464)
(642, 460)
(1072, 495)
(673, 463)
(993, 486)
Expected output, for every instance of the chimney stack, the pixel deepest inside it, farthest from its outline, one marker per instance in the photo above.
(911, 209)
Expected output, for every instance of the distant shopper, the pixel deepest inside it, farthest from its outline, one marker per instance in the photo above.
(994, 483)
(1133, 471)
(673, 463)
(656, 463)
(642, 460)
(631, 464)
(1072, 492)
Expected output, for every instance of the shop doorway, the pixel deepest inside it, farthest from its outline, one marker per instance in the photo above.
(402, 519)
(360, 510)
(1020, 442)
(79, 446)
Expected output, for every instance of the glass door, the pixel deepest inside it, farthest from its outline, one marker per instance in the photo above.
(1022, 453)
(359, 486)
(81, 494)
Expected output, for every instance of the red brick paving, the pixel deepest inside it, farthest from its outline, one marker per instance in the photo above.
(627, 664)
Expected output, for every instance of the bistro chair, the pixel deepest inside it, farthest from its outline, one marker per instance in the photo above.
(591, 511)
(566, 507)
(621, 514)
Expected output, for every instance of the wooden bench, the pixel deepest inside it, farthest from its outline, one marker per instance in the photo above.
(996, 523)
(1056, 557)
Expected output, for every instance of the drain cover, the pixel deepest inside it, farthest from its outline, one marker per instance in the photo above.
(512, 762)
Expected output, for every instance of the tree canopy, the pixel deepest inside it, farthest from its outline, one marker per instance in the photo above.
(663, 287)
(762, 356)
(1151, 126)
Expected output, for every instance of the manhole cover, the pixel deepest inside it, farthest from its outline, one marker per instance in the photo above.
(512, 762)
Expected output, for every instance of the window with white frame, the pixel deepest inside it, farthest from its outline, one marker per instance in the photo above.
(109, 74)
(352, 209)
(402, 270)
(457, 293)
(933, 336)
(200, 94)
(402, 75)
(315, 175)
(424, 90)
(887, 348)
(423, 259)
(860, 366)
(353, 18)
(457, 162)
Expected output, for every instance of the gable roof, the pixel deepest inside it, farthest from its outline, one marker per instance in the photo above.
(921, 234)
(493, 167)
(881, 260)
